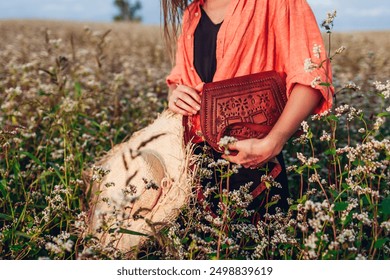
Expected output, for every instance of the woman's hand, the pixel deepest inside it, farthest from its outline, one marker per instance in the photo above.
(184, 100)
(253, 153)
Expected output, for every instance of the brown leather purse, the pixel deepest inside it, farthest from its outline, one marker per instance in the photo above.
(243, 107)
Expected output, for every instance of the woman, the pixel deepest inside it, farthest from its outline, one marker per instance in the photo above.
(222, 39)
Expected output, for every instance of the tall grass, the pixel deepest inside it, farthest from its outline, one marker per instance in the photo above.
(69, 92)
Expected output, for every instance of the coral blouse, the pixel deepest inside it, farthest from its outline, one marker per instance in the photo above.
(256, 36)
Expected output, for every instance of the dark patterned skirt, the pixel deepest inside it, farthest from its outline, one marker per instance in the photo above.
(274, 196)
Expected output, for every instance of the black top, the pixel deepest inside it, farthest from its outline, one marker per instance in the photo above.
(205, 44)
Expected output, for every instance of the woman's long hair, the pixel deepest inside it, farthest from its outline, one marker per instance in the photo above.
(172, 11)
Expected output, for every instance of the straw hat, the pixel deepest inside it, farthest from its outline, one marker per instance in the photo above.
(146, 186)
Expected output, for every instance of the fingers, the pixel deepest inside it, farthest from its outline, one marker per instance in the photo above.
(233, 146)
(186, 105)
(253, 165)
(245, 156)
(190, 92)
(174, 108)
(184, 100)
(244, 162)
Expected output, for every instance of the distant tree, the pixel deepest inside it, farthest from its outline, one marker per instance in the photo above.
(127, 10)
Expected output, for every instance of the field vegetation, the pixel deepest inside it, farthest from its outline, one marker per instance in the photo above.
(70, 91)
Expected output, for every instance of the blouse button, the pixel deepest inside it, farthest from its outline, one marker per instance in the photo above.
(188, 37)
(196, 14)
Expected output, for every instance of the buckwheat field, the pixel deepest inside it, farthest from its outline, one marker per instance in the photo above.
(70, 91)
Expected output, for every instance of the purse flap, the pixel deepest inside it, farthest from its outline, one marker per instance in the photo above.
(255, 99)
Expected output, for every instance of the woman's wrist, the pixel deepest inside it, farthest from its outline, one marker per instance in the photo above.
(276, 140)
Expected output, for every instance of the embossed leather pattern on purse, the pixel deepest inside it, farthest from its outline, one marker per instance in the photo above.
(243, 107)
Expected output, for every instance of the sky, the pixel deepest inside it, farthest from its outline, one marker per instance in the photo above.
(352, 15)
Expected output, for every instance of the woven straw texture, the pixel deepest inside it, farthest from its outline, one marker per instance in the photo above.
(146, 186)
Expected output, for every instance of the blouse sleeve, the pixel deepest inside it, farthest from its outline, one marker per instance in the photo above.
(175, 76)
(302, 49)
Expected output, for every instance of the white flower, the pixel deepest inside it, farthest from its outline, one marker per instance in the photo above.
(383, 88)
(15, 91)
(314, 178)
(352, 85)
(325, 136)
(315, 82)
(360, 257)
(55, 42)
(379, 122)
(309, 66)
(305, 126)
(328, 22)
(219, 163)
(226, 140)
(340, 50)
(105, 124)
(386, 225)
(333, 245)
(363, 217)
(302, 158)
(317, 50)
(341, 110)
(310, 243)
(69, 105)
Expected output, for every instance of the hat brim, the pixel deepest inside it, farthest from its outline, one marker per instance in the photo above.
(146, 187)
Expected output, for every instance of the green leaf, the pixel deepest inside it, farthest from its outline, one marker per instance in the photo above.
(3, 184)
(380, 242)
(348, 219)
(271, 203)
(34, 158)
(294, 207)
(22, 234)
(325, 84)
(357, 163)
(332, 118)
(301, 169)
(17, 247)
(5, 217)
(302, 200)
(58, 173)
(330, 152)
(384, 114)
(55, 108)
(77, 88)
(185, 240)
(131, 232)
(42, 93)
(291, 230)
(315, 166)
(208, 239)
(385, 206)
(16, 168)
(334, 193)
(340, 206)
(213, 256)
